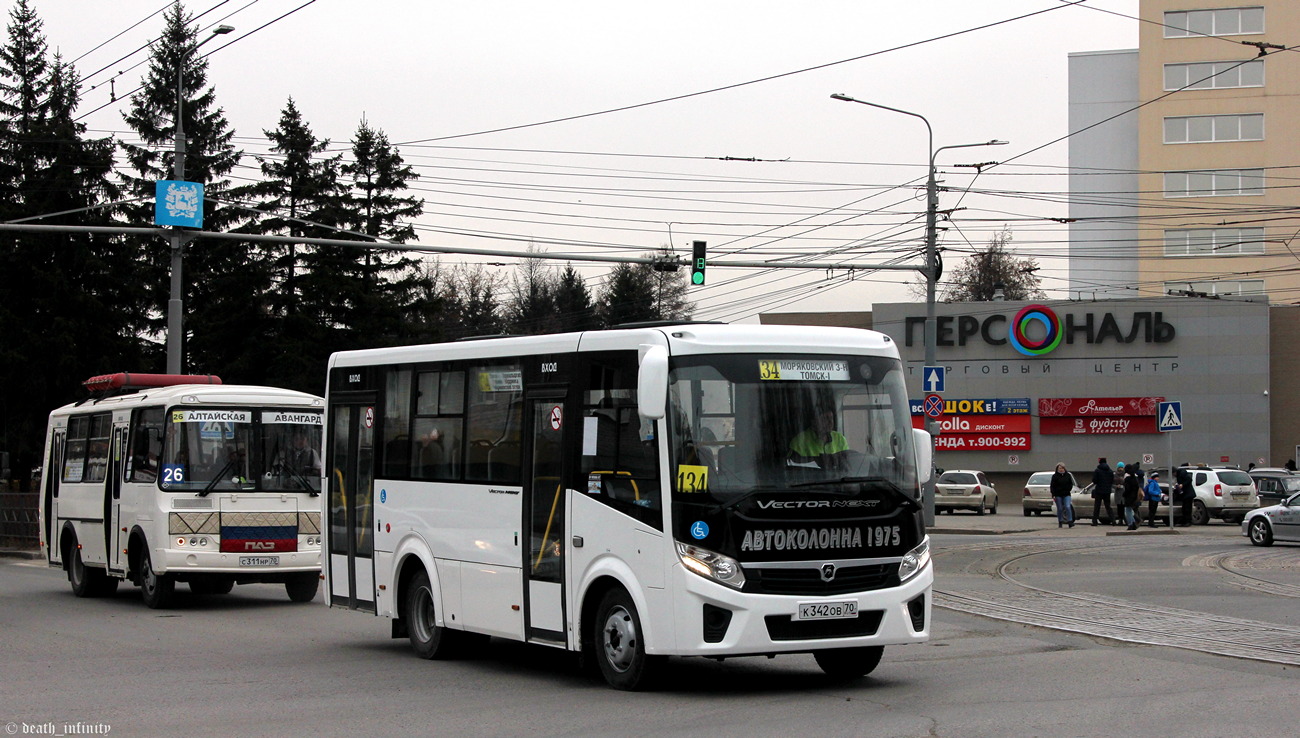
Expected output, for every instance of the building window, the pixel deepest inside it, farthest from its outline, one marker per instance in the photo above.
(1211, 128)
(1242, 287)
(1214, 75)
(1214, 241)
(1216, 22)
(1215, 183)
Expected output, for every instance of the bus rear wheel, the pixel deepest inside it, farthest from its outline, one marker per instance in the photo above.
(302, 587)
(157, 590)
(619, 644)
(849, 663)
(428, 639)
(88, 581)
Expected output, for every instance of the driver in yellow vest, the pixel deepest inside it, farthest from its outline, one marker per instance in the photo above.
(821, 443)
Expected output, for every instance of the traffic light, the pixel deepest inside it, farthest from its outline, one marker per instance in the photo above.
(697, 262)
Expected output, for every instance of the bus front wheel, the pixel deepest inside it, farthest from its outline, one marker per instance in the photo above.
(155, 589)
(849, 663)
(619, 644)
(428, 639)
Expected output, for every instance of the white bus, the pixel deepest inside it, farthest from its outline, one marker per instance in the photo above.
(160, 478)
(633, 494)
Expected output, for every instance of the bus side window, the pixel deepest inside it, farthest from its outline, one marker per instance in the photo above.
(74, 455)
(492, 423)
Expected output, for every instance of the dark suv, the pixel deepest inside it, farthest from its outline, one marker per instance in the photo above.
(1274, 485)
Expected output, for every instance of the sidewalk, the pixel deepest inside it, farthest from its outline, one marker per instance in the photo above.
(968, 523)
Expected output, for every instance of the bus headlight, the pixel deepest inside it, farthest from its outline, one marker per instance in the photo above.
(715, 566)
(914, 561)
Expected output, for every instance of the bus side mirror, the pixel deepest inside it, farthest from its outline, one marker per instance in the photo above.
(924, 454)
(652, 382)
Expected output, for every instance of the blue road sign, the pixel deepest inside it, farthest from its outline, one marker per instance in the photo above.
(1169, 416)
(178, 204)
(932, 378)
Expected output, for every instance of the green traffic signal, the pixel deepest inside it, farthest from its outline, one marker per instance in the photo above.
(697, 262)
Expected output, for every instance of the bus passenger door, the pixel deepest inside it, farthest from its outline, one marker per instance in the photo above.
(51, 476)
(544, 518)
(113, 556)
(351, 465)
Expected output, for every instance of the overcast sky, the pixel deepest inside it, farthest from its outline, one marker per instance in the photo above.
(837, 181)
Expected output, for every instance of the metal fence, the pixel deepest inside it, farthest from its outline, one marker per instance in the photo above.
(18, 524)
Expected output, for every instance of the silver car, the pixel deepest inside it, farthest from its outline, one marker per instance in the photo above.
(963, 489)
(1037, 497)
(1280, 522)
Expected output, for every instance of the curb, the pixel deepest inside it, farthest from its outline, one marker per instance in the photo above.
(16, 553)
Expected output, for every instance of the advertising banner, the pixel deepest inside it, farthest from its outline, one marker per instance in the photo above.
(986, 406)
(982, 442)
(980, 423)
(1074, 407)
(1095, 426)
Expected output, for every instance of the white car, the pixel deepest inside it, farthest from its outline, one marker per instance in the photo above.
(1037, 497)
(1224, 493)
(1280, 522)
(965, 489)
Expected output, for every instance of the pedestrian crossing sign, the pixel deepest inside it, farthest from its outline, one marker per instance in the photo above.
(1169, 416)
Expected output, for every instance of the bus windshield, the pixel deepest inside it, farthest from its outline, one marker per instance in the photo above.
(741, 423)
(241, 449)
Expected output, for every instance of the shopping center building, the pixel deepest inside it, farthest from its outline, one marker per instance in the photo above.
(1032, 384)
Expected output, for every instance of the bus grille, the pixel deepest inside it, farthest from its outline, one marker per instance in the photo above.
(808, 582)
(786, 628)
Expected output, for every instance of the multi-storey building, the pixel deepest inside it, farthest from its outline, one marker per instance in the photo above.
(1196, 191)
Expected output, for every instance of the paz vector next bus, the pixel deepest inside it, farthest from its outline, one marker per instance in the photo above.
(662, 490)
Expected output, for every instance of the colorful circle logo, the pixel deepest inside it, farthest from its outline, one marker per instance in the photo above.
(1035, 314)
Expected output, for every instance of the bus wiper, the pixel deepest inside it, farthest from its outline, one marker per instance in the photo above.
(844, 480)
(217, 478)
(879, 482)
(298, 477)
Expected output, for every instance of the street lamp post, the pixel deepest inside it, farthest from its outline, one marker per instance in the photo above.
(930, 270)
(178, 239)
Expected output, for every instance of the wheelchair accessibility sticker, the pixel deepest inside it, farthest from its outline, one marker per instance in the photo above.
(699, 530)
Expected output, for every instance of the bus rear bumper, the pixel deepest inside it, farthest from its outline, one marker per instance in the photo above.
(716, 620)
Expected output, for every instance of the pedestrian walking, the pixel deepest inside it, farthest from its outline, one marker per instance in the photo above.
(1120, 475)
(1186, 493)
(1061, 485)
(1152, 492)
(1102, 481)
(1132, 490)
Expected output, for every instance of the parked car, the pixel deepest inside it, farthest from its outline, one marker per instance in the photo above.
(963, 489)
(1222, 492)
(1280, 522)
(1082, 500)
(1037, 497)
(1274, 484)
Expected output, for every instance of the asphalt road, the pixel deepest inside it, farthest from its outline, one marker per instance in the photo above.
(253, 663)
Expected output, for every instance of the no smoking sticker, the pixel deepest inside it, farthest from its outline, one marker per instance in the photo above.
(557, 418)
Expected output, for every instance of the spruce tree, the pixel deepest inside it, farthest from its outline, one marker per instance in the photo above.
(574, 308)
(66, 300)
(301, 196)
(377, 207)
(531, 308)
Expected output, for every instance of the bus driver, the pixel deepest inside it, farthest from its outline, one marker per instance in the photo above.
(820, 443)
